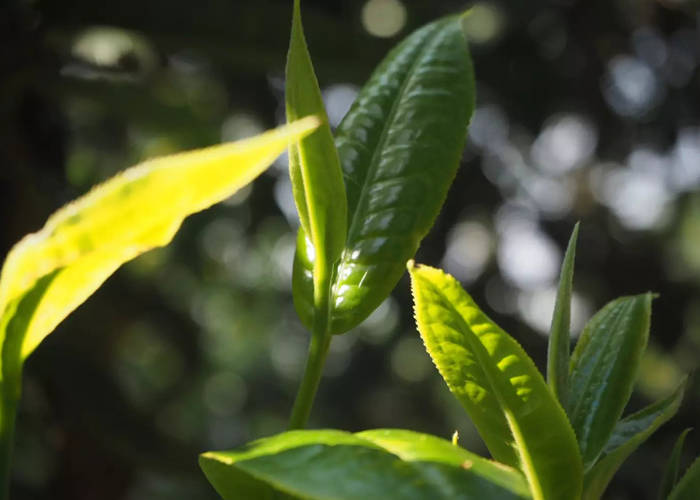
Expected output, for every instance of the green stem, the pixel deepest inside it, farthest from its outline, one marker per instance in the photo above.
(318, 349)
(8, 414)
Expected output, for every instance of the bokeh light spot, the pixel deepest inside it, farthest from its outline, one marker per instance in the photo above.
(527, 257)
(383, 18)
(483, 23)
(469, 247)
(338, 99)
(240, 126)
(123, 53)
(224, 393)
(536, 310)
(565, 143)
(409, 360)
(631, 87)
(380, 325)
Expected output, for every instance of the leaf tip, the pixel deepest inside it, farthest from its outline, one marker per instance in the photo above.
(296, 12)
(683, 384)
(306, 125)
(410, 265)
(574, 232)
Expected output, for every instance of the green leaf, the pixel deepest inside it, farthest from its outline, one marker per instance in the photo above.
(689, 485)
(604, 367)
(329, 464)
(559, 333)
(314, 167)
(399, 146)
(628, 434)
(50, 273)
(505, 395)
(670, 477)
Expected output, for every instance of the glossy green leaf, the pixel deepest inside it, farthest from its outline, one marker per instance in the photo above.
(670, 477)
(317, 181)
(628, 434)
(329, 464)
(139, 209)
(604, 367)
(559, 333)
(688, 487)
(399, 146)
(505, 395)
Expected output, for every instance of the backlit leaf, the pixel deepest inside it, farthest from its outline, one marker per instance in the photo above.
(317, 181)
(505, 395)
(139, 209)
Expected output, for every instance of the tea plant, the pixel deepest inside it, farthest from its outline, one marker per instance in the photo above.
(366, 196)
(544, 446)
(398, 147)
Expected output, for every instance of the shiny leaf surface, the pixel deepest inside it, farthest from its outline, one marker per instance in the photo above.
(604, 367)
(399, 148)
(385, 463)
(629, 433)
(559, 333)
(317, 181)
(498, 384)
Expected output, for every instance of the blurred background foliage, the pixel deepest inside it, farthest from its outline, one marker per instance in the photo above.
(586, 111)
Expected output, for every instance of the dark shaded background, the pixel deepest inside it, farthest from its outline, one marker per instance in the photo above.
(586, 111)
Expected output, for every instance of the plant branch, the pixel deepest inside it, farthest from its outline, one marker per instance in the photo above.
(8, 414)
(318, 349)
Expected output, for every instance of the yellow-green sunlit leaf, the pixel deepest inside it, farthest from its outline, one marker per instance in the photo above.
(498, 384)
(139, 209)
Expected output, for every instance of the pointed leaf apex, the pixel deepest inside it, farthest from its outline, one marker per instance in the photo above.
(304, 125)
(558, 352)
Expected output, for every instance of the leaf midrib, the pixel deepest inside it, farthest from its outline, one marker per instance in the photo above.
(385, 130)
(479, 353)
(527, 465)
(586, 430)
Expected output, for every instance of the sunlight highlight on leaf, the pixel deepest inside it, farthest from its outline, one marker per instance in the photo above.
(498, 384)
(139, 209)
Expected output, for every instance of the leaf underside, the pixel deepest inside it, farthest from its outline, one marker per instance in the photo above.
(399, 148)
